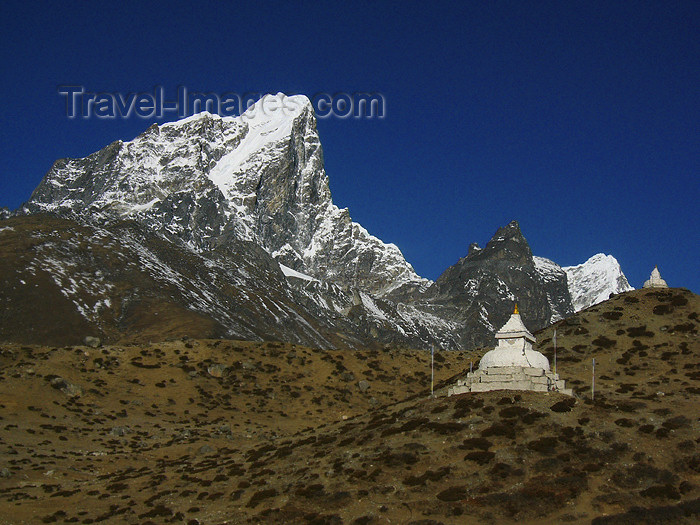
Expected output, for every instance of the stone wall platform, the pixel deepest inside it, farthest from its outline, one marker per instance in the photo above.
(510, 378)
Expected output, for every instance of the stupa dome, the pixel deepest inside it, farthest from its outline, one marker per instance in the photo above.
(504, 357)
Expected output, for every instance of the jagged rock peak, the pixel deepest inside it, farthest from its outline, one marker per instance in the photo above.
(512, 229)
(473, 248)
(279, 107)
(507, 243)
(481, 285)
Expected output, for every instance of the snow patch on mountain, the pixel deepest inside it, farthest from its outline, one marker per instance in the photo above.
(87, 290)
(594, 280)
(288, 272)
(267, 122)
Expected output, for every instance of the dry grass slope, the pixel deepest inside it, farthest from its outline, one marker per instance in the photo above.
(209, 431)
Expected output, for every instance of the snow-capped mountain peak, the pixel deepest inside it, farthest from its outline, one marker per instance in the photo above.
(594, 280)
(258, 176)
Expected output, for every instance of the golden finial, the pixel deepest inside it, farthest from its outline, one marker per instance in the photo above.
(516, 309)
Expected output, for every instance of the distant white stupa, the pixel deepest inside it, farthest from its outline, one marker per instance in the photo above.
(655, 281)
(512, 365)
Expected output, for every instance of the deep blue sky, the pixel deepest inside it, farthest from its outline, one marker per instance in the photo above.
(579, 119)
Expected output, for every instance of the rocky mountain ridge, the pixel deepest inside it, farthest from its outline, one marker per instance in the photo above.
(121, 282)
(208, 185)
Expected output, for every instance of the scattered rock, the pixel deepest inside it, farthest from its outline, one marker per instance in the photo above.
(121, 431)
(185, 434)
(92, 342)
(68, 388)
(216, 370)
(347, 377)
(206, 449)
(363, 385)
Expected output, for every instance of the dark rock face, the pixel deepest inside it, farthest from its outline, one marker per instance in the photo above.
(63, 279)
(5, 213)
(479, 292)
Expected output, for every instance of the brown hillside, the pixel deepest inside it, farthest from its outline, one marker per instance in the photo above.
(223, 432)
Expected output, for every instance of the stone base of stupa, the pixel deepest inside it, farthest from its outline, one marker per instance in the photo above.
(510, 378)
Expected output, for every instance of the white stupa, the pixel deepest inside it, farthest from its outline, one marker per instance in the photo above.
(512, 365)
(514, 347)
(655, 280)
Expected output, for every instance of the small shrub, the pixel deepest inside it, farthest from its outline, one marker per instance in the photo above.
(499, 429)
(312, 491)
(684, 328)
(260, 496)
(480, 456)
(563, 406)
(398, 459)
(532, 417)
(675, 423)
(679, 300)
(544, 445)
(641, 474)
(514, 411)
(448, 428)
(453, 494)
(646, 429)
(428, 475)
(639, 331)
(604, 342)
(663, 309)
(612, 316)
(503, 470)
(476, 443)
(667, 491)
